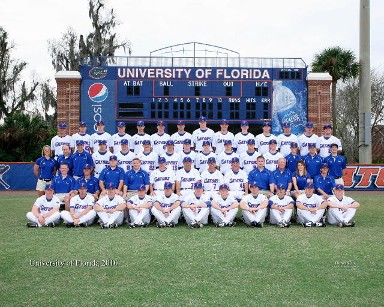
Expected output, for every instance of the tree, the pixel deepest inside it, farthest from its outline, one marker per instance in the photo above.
(14, 93)
(340, 64)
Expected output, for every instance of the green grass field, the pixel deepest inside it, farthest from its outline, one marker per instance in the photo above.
(191, 267)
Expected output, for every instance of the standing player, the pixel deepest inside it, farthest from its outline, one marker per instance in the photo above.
(220, 137)
(263, 139)
(112, 174)
(158, 177)
(272, 156)
(148, 157)
(160, 138)
(326, 141)
(139, 137)
(110, 208)
(212, 178)
(203, 134)
(254, 207)
(285, 140)
(281, 208)
(248, 159)
(44, 169)
(241, 138)
(139, 208)
(294, 157)
(202, 157)
(62, 138)
(306, 138)
(342, 208)
(100, 135)
(125, 156)
(82, 136)
(45, 211)
(81, 211)
(337, 164)
(186, 152)
(237, 180)
(225, 157)
(180, 136)
(118, 137)
(312, 161)
(66, 158)
(186, 178)
(80, 158)
(171, 156)
(101, 158)
(224, 208)
(195, 207)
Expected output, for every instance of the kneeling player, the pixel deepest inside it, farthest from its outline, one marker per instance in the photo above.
(341, 208)
(110, 208)
(81, 211)
(45, 211)
(138, 208)
(254, 207)
(281, 207)
(166, 208)
(224, 208)
(195, 207)
(310, 208)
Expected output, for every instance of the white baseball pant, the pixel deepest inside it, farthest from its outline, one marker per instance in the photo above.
(116, 217)
(257, 216)
(276, 216)
(304, 216)
(88, 218)
(336, 216)
(54, 218)
(140, 217)
(218, 216)
(173, 216)
(200, 215)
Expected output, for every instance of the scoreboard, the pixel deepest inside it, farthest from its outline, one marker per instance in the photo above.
(128, 94)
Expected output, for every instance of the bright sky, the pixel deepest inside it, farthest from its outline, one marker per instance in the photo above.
(254, 28)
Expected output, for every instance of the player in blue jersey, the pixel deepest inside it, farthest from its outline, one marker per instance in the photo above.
(134, 178)
(281, 176)
(293, 157)
(64, 185)
(114, 174)
(65, 158)
(261, 176)
(324, 183)
(337, 164)
(91, 181)
(299, 179)
(313, 161)
(44, 169)
(80, 158)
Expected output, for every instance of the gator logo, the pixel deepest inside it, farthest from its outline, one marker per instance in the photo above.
(98, 73)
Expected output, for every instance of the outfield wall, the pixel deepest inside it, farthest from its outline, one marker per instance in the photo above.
(19, 176)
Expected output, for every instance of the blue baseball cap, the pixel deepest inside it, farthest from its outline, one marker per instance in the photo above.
(82, 124)
(62, 126)
(141, 187)
(113, 157)
(311, 145)
(82, 185)
(146, 142)
(339, 187)
(102, 142)
(87, 166)
(211, 160)
(251, 141)
(224, 186)
(198, 185)
(334, 144)
(324, 165)
(273, 141)
(49, 187)
(110, 185)
(244, 123)
(79, 142)
(100, 122)
(120, 124)
(180, 122)
(309, 185)
(235, 159)
(202, 119)
(224, 122)
(254, 184)
(187, 159)
(294, 144)
(140, 123)
(206, 143)
(266, 124)
(169, 143)
(280, 186)
(161, 160)
(327, 126)
(187, 141)
(124, 142)
(160, 123)
(167, 185)
(309, 125)
(227, 142)
(286, 124)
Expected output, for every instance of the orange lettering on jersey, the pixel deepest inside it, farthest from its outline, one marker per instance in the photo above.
(366, 174)
(380, 179)
(348, 177)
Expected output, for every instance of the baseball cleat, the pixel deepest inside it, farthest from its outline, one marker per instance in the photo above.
(113, 225)
(221, 224)
(254, 224)
(171, 224)
(340, 224)
(50, 225)
(69, 225)
(307, 224)
(280, 225)
(32, 224)
(103, 225)
(320, 224)
(231, 224)
(83, 225)
(349, 224)
(131, 225)
(260, 225)
(200, 225)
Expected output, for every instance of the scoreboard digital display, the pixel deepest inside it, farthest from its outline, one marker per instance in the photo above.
(114, 93)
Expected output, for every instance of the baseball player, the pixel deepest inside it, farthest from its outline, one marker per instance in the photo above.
(81, 211)
(112, 174)
(313, 161)
(261, 175)
(83, 136)
(160, 138)
(248, 159)
(241, 138)
(134, 178)
(100, 135)
(293, 158)
(171, 156)
(337, 164)
(186, 152)
(158, 177)
(80, 158)
(118, 137)
(202, 134)
(221, 136)
(44, 169)
(254, 207)
(166, 208)
(110, 208)
(139, 137)
(66, 158)
(285, 140)
(202, 157)
(272, 156)
(180, 136)
(224, 158)
(101, 158)
(224, 208)
(281, 175)
(307, 137)
(326, 141)
(212, 179)
(195, 207)
(310, 208)
(64, 186)
(324, 183)
(342, 208)
(45, 211)
(148, 157)
(186, 177)
(281, 206)
(237, 180)
(91, 181)
(263, 139)
(125, 156)
(139, 208)
(62, 138)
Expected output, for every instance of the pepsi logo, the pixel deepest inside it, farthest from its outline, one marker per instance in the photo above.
(98, 92)
(98, 73)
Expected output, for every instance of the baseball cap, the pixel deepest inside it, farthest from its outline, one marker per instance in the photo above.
(251, 141)
(79, 142)
(160, 123)
(311, 145)
(327, 126)
(102, 142)
(309, 185)
(235, 159)
(294, 144)
(113, 157)
(244, 123)
(273, 141)
(266, 124)
(224, 122)
(82, 123)
(211, 160)
(161, 160)
(167, 185)
(187, 159)
(198, 185)
(62, 126)
(334, 144)
(339, 187)
(280, 186)
(141, 187)
(124, 142)
(140, 123)
(206, 143)
(180, 122)
(309, 125)
(324, 165)
(49, 187)
(120, 124)
(202, 119)
(224, 186)
(110, 185)
(146, 142)
(82, 185)
(87, 166)
(170, 142)
(254, 184)
(227, 142)
(286, 124)
(187, 141)
(100, 122)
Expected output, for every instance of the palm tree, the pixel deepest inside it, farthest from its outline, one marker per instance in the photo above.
(340, 64)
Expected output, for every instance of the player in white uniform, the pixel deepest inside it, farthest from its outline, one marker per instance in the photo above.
(237, 180)
(180, 136)
(100, 135)
(110, 208)
(186, 177)
(212, 179)
(166, 208)
(148, 157)
(186, 152)
(62, 138)
(241, 138)
(248, 159)
(82, 136)
(195, 207)
(172, 157)
(224, 208)
(272, 156)
(202, 134)
(139, 207)
(45, 211)
(224, 158)
(118, 137)
(221, 136)
(306, 138)
(158, 177)
(327, 140)
(160, 138)
(101, 158)
(125, 156)
(342, 208)
(254, 207)
(310, 208)
(285, 140)
(81, 211)
(262, 139)
(202, 157)
(139, 137)
(281, 206)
